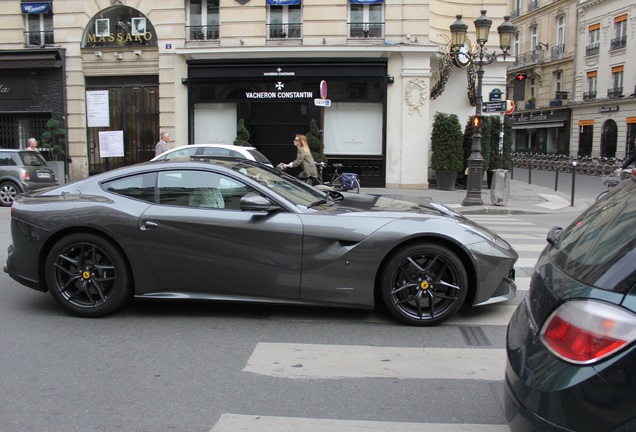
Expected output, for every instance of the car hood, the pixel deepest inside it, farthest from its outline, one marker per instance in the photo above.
(397, 204)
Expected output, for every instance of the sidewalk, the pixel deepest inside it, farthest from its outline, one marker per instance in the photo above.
(524, 199)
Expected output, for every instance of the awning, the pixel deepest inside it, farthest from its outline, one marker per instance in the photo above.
(538, 125)
(283, 2)
(30, 60)
(36, 8)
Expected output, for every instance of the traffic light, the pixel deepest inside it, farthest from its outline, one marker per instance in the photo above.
(477, 122)
(520, 86)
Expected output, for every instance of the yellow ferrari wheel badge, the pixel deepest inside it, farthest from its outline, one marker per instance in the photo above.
(424, 285)
(86, 275)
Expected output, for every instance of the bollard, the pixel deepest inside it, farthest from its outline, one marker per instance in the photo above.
(556, 179)
(573, 182)
(529, 173)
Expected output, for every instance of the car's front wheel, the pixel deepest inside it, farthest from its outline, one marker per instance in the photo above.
(8, 192)
(88, 275)
(424, 284)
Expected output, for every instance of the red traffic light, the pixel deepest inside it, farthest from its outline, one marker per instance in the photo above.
(521, 76)
(477, 121)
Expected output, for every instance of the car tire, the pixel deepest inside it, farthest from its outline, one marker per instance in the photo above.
(88, 275)
(424, 284)
(8, 192)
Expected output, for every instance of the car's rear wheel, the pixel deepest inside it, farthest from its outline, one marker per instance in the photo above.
(8, 192)
(88, 275)
(424, 284)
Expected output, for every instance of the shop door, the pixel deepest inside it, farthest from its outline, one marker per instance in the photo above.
(608, 139)
(274, 125)
(135, 111)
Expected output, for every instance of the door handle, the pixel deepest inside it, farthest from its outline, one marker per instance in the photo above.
(149, 225)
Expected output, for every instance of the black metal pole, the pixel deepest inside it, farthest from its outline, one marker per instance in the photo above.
(573, 183)
(476, 160)
(556, 179)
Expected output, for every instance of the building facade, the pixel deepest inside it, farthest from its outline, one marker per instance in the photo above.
(117, 72)
(580, 81)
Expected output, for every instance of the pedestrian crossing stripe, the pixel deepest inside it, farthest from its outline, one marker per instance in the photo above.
(317, 361)
(256, 423)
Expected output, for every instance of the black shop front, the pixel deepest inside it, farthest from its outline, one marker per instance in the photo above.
(277, 99)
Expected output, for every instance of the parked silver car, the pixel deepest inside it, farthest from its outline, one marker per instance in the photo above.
(221, 150)
(21, 171)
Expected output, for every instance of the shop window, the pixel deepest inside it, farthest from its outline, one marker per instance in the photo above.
(366, 19)
(203, 20)
(38, 20)
(284, 20)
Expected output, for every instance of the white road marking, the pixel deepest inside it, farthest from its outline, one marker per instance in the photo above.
(255, 423)
(313, 361)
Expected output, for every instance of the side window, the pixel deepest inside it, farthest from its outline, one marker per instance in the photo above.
(200, 189)
(185, 153)
(6, 160)
(141, 187)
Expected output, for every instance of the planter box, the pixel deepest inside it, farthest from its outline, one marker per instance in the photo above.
(446, 180)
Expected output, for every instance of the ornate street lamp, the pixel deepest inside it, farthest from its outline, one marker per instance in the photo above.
(480, 58)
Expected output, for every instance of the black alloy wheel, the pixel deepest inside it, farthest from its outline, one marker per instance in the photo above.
(87, 275)
(424, 284)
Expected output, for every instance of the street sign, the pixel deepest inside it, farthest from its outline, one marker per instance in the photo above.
(495, 106)
(323, 89)
(322, 102)
(495, 95)
(511, 107)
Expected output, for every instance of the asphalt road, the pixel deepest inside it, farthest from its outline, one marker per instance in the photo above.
(206, 366)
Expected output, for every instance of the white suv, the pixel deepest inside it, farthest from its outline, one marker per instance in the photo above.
(223, 150)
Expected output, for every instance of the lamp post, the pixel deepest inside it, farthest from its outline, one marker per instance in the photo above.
(480, 58)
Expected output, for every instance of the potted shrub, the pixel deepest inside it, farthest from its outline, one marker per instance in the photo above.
(313, 140)
(53, 147)
(447, 153)
(242, 134)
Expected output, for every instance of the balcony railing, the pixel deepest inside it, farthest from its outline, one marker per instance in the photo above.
(38, 38)
(556, 102)
(557, 52)
(284, 31)
(532, 5)
(615, 92)
(202, 33)
(619, 42)
(589, 96)
(366, 30)
(563, 95)
(515, 13)
(591, 50)
(529, 58)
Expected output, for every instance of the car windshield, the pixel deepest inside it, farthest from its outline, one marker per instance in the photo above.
(32, 158)
(293, 190)
(599, 247)
(258, 156)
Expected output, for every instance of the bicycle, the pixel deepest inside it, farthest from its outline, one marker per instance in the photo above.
(612, 180)
(347, 182)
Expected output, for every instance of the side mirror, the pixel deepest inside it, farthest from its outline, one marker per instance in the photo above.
(255, 202)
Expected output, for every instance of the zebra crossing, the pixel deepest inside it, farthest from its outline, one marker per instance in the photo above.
(324, 362)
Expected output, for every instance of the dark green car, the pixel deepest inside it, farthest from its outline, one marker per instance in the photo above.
(21, 171)
(571, 343)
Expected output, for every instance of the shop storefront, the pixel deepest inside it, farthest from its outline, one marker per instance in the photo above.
(277, 100)
(544, 132)
(32, 91)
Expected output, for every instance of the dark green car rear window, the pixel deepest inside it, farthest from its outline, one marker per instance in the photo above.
(599, 248)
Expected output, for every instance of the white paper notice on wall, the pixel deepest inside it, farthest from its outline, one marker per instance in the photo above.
(97, 108)
(111, 143)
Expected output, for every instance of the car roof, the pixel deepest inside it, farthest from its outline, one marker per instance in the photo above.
(225, 146)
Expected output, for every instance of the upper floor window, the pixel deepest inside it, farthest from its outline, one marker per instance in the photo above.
(617, 82)
(534, 37)
(594, 33)
(203, 20)
(517, 45)
(558, 81)
(284, 19)
(38, 18)
(591, 86)
(620, 32)
(366, 18)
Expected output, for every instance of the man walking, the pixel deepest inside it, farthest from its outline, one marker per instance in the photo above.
(162, 145)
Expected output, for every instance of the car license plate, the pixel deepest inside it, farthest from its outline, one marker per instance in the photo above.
(43, 175)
